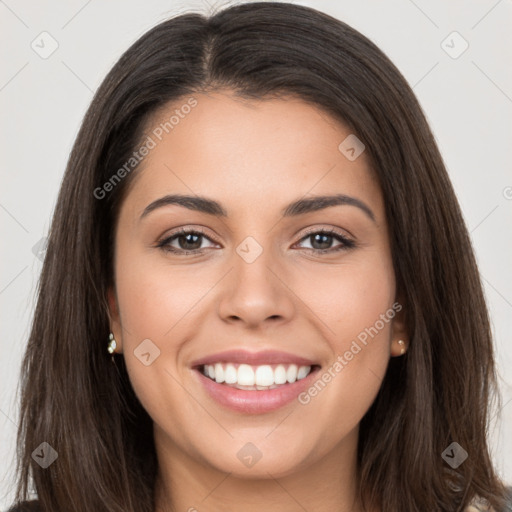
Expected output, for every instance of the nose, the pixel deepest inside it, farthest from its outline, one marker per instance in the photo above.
(256, 293)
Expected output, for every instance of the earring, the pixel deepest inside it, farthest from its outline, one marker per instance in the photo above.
(402, 345)
(111, 344)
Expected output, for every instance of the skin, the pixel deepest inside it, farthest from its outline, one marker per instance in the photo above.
(254, 157)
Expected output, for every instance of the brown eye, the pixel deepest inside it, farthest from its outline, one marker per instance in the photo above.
(321, 241)
(187, 241)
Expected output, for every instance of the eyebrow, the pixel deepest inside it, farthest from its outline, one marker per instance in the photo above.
(299, 207)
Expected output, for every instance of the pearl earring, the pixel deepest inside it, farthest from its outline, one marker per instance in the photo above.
(402, 345)
(111, 344)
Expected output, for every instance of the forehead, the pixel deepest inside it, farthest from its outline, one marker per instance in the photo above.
(249, 154)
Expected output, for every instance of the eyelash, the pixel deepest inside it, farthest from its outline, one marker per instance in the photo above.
(164, 244)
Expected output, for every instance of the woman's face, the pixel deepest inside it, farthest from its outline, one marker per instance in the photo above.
(280, 287)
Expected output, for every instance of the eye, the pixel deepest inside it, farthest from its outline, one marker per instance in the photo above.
(324, 238)
(188, 241)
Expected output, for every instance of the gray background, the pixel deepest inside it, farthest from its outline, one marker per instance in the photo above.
(467, 99)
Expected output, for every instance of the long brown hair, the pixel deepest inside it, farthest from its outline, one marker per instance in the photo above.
(79, 402)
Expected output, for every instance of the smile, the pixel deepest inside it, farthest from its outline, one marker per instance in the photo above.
(255, 378)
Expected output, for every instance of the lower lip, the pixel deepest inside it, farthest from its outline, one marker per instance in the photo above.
(255, 402)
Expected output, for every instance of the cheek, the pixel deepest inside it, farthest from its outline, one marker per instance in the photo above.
(349, 297)
(164, 303)
(353, 306)
(155, 297)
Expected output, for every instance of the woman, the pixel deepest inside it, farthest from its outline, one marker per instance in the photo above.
(189, 352)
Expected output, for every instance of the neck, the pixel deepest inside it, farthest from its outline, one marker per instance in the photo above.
(327, 484)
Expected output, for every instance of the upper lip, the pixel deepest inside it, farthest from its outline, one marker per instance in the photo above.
(253, 358)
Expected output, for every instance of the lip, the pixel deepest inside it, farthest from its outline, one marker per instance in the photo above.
(255, 402)
(253, 358)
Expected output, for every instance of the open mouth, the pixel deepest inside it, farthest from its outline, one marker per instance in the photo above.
(256, 377)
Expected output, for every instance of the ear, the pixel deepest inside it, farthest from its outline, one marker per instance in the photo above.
(115, 321)
(399, 336)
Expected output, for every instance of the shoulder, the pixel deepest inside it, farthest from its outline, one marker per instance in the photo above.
(26, 506)
(482, 505)
(478, 506)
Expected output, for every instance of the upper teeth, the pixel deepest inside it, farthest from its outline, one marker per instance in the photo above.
(264, 375)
